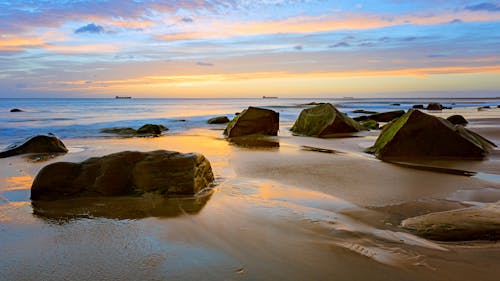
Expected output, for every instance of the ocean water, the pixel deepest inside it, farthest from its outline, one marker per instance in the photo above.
(84, 118)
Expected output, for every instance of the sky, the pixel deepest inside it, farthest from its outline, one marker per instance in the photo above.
(249, 48)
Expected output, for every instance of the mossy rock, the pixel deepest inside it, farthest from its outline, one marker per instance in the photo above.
(253, 120)
(324, 120)
(370, 125)
(420, 135)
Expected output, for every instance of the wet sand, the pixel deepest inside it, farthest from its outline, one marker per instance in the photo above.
(279, 211)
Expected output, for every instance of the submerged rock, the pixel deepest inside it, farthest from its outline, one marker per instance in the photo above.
(457, 120)
(16, 110)
(434, 106)
(324, 120)
(151, 129)
(253, 120)
(125, 173)
(218, 120)
(36, 144)
(471, 223)
(381, 117)
(119, 131)
(145, 130)
(364, 111)
(420, 135)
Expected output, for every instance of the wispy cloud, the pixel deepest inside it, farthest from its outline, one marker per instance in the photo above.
(485, 6)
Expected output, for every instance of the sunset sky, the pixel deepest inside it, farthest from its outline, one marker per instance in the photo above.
(244, 48)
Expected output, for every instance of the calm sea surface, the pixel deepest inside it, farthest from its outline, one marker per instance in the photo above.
(76, 118)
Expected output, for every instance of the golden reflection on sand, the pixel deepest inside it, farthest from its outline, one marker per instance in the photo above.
(19, 182)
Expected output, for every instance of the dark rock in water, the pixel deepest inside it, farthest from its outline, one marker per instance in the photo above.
(119, 131)
(37, 144)
(253, 120)
(498, 106)
(473, 223)
(324, 120)
(237, 113)
(418, 106)
(371, 124)
(16, 110)
(395, 104)
(313, 103)
(381, 117)
(151, 129)
(434, 106)
(420, 135)
(145, 130)
(364, 111)
(125, 173)
(218, 120)
(457, 120)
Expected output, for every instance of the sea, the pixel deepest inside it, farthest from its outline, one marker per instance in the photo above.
(85, 117)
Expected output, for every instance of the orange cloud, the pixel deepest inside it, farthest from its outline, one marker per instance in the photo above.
(310, 24)
(8, 43)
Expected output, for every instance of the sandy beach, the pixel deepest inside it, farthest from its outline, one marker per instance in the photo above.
(279, 211)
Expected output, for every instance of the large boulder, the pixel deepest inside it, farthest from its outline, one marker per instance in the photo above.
(218, 120)
(457, 120)
(36, 144)
(382, 117)
(253, 120)
(125, 173)
(420, 135)
(324, 120)
(471, 223)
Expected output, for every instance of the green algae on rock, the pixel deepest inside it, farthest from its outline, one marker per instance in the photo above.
(420, 135)
(324, 120)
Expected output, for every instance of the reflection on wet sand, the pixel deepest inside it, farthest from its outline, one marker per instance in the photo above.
(120, 207)
(258, 142)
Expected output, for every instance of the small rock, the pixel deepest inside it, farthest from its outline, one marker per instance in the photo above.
(418, 106)
(16, 110)
(434, 106)
(457, 120)
(36, 144)
(218, 120)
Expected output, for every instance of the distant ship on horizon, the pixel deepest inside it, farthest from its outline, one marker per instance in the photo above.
(119, 97)
(266, 97)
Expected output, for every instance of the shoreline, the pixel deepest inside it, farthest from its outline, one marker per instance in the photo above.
(272, 204)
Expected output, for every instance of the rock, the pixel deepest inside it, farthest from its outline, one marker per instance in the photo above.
(125, 173)
(418, 106)
(16, 110)
(145, 130)
(218, 120)
(457, 120)
(471, 223)
(364, 111)
(420, 135)
(370, 124)
(434, 106)
(313, 103)
(381, 117)
(395, 104)
(253, 120)
(36, 144)
(151, 129)
(324, 120)
(119, 131)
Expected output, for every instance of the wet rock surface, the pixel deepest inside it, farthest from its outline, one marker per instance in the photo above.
(37, 144)
(253, 120)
